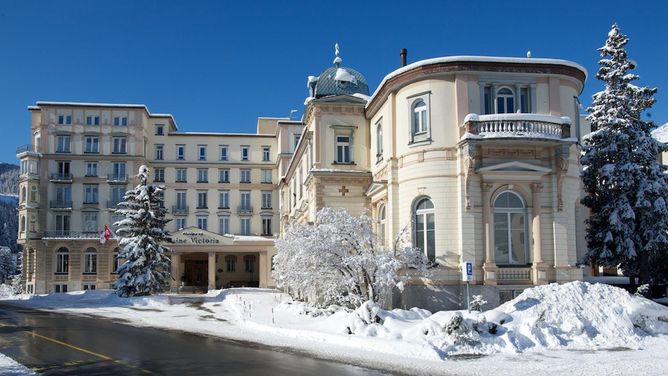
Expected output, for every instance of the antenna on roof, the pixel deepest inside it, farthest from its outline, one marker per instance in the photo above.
(529, 54)
(292, 112)
(337, 59)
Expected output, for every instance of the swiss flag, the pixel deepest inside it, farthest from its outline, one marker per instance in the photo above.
(105, 234)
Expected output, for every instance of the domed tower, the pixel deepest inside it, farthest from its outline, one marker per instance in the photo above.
(330, 164)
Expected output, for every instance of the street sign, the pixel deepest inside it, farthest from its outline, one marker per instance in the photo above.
(467, 271)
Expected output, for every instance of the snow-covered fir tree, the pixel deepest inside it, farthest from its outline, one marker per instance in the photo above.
(626, 187)
(338, 260)
(146, 267)
(7, 264)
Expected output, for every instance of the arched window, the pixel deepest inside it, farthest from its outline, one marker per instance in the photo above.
(62, 260)
(90, 261)
(419, 117)
(379, 141)
(116, 261)
(425, 228)
(33, 193)
(381, 225)
(23, 194)
(249, 263)
(510, 229)
(505, 101)
(231, 263)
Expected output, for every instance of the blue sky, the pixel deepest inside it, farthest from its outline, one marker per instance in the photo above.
(218, 65)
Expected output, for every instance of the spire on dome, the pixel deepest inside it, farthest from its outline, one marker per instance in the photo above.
(337, 59)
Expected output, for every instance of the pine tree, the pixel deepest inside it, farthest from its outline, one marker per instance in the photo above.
(7, 264)
(625, 185)
(146, 269)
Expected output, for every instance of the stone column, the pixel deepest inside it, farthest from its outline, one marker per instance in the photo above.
(489, 267)
(212, 270)
(539, 269)
(175, 283)
(263, 269)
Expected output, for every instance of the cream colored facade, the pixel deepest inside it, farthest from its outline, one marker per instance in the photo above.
(83, 157)
(475, 157)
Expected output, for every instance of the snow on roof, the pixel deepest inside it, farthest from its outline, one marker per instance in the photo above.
(343, 75)
(483, 59)
(661, 133)
(362, 96)
(518, 116)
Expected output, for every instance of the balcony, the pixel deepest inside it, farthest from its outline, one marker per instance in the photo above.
(66, 234)
(180, 209)
(510, 126)
(61, 177)
(60, 204)
(117, 178)
(514, 275)
(24, 148)
(245, 209)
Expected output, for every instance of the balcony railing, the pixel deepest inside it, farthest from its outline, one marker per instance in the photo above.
(117, 178)
(24, 148)
(59, 204)
(245, 209)
(59, 176)
(66, 234)
(518, 126)
(514, 275)
(180, 209)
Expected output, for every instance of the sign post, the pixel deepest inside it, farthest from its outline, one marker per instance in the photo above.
(467, 276)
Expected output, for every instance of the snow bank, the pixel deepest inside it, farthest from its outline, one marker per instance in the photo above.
(9, 367)
(6, 292)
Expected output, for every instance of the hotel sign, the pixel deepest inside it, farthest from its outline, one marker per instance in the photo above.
(195, 236)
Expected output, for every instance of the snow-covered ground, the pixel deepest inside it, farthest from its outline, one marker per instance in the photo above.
(9, 367)
(579, 328)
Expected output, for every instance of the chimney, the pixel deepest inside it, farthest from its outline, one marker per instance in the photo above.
(403, 54)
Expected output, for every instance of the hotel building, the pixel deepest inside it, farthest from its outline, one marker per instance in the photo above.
(477, 157)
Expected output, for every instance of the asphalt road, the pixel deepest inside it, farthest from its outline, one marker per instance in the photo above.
(55, 344)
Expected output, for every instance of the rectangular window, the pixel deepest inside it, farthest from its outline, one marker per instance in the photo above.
(181, 199)
(231, 263)
(120, 120)
(159, 130)
(64, 119)
(245, 176)
(202, 175)
(487, 99)
(343, 149)
(266, 200)
(202, 222)
(117, 194)
(63, 224)
(525, 106)
(88, 287)
(159, 152)
(181, 175)
(266, 153)
(90, 193)
(249, 263)
(180, 223)
(91, 168)
(120, 145)
(266, 176)
(266, 226)
(245, 200)
(62, 263)
(64, 144)
(296, 138)
(224, 224)
(245, 226)
(224, 175)
(64, 195)
(223, 152)
(64, 170)
(92, 144)
(90, 222)
(245, 152)
(224, 200)
(92, 120)
(201, 152)
(90, 263)
(159, 175)
(180, 152)
(118, 171)
(201, 200)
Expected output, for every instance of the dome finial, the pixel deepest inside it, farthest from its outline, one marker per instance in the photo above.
(337, 59)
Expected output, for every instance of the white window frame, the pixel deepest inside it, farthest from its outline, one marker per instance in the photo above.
(224, 175)
(266, 153)
(203, 222)
(245, 152)
(509, 212)
(346, 147)
(419, 109)
(266, 175)
(63, 143)
(201, 152)
(224, 199)
(267, 200)
(224, 224)
(181, 175)
(180, 152)
(224, 152)
(202, 199)
(90, 261)
(202, 175)
(120, 145)
(506, 98)
(244, 175)
(94, 143)
(159, 152)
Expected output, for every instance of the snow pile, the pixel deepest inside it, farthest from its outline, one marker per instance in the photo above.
(661, 133)
(573, 316)
(345, 76)
(6, 292)
(9, 367)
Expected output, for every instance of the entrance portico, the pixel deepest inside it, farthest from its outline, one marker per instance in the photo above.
(202, 260)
